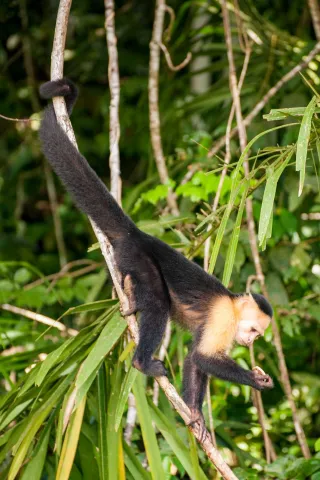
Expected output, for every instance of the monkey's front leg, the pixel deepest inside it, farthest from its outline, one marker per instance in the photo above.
(221, 366)
(194, 389)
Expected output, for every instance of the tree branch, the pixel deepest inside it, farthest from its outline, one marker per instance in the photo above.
(175, 68)
(114, 86)
(254, 245)
(227, 157)
(153, 89)
(243, 143)
(265, 99)
(315, 16)
(51, 189)
(107, 250)
(37, 317)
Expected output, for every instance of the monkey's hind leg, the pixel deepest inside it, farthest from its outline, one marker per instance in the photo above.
(194, 388)
(128, 287)
(152, 327)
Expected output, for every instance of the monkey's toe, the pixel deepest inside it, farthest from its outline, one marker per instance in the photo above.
(197, 417)
(154, 368)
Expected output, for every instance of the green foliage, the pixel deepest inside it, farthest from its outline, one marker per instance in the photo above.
(64, 399)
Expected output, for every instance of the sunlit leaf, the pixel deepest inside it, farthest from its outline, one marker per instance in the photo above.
(303, 142)
(70, 443)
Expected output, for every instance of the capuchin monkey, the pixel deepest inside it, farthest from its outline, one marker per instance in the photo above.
(160, 282)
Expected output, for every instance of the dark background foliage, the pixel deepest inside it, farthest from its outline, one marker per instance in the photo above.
(191, 120)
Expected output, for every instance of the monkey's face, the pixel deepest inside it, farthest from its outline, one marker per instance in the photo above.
(252, 322)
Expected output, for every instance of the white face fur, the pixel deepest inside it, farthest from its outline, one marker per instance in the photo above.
(252, 321)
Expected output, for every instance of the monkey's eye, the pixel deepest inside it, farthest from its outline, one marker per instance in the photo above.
(253, 330)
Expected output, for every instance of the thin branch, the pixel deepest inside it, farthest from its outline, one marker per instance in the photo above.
(51, 189)
(227, 157)
(25, 120)
(162, 353)
(216, 203)
(211, 425)
(168, 30)
(107, 250)
(315, 16)
(253, 239)
(114, 86)
(37, 317)
(265, 99)
(243, 142)
(175, 68)
(64, 272)
(153, 90)
(131, 418)
(257, 402)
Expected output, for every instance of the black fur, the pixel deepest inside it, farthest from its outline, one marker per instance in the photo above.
(161, 278)
(263, 304)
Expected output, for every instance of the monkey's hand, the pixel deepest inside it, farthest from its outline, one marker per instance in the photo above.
(197, 417)
(262, 380)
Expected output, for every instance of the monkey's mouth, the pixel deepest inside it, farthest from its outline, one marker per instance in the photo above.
(244, 343)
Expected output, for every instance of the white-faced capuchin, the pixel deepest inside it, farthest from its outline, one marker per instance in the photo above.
(161, 282)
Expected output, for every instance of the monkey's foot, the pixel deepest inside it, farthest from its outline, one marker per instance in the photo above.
(125, 312)
(196, 417)
(154, 368)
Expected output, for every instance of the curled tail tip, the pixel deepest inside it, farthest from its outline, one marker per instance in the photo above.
(58, 88)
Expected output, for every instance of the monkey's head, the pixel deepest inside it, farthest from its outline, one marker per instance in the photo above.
(254, 314)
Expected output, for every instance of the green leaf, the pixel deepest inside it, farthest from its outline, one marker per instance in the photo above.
(70, 443)
(148, 433)
(107, 339)
(50, 360)
(13, 414)
(300, 259)
(102, 423)
(178, 446)
(276, 289)
(35, 466)
(22, 276)
(90, 307)
(35, 421)
(113, 436)
(133, 465)
(303, 141)
(268, 199)
(124, 393)
(232, 249)
(221, 230)
(282, 113)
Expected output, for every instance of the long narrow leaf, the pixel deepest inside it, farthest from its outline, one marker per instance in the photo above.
(90, 307)
(268, 198)
(303, 141)
(124, 393)
(107, 339)
(179, 448)
(148, 434)
(112, 435)
(35, 466)
(102, 423)
(70, 443)
(232, 249)
(194, 456)
(36, 420)
(133, 465)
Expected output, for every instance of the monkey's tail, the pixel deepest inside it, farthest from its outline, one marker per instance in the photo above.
(89, 193)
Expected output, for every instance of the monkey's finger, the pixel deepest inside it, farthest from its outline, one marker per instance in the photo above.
(259, 370)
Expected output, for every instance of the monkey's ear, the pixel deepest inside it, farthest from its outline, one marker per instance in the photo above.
(244, 300)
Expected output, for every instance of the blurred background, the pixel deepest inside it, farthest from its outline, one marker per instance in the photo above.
(45, 265)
